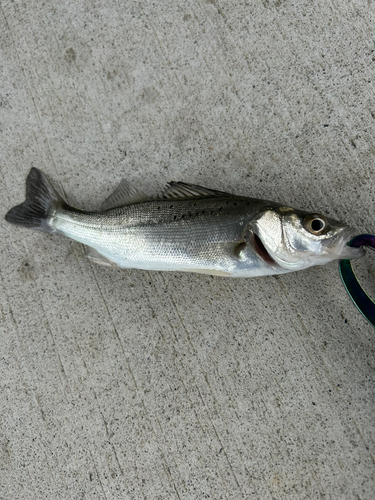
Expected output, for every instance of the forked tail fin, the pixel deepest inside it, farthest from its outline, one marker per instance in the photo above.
(41, 201)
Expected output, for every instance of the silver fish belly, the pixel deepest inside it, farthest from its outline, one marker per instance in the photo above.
(190, 228)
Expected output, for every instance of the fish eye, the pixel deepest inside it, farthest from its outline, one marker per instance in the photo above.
(315, 224)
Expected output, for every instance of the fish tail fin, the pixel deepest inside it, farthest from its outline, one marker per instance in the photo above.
(42, 199)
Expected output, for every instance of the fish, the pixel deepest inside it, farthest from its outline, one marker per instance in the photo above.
(188, 228)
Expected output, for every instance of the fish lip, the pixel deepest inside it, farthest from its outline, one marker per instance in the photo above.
(348, 252)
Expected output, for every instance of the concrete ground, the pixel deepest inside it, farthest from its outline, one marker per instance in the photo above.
(144, 385)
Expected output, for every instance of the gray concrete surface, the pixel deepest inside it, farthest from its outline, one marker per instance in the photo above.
(145, 385)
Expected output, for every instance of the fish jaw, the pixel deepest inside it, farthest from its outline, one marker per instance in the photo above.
(344, 251)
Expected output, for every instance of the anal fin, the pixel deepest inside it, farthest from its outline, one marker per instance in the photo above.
(98, 258)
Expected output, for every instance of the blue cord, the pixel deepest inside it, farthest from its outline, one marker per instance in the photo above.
(360, 298)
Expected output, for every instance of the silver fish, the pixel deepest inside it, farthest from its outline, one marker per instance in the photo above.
(189, 228)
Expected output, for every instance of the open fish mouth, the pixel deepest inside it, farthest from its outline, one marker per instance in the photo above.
(262, 251)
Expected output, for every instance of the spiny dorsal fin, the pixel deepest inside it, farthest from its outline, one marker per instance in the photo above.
(181, 190)
(124, 194)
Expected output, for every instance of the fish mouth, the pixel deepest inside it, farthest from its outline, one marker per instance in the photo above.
(352, 253)
(348, 252)
(262, 251)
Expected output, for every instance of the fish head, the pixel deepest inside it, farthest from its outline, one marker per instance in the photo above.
(296, 240)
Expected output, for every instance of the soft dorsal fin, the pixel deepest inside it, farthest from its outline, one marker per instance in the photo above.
(124, 194)
(180, 190)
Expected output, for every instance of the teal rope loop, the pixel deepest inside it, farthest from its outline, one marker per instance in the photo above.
(360, 298)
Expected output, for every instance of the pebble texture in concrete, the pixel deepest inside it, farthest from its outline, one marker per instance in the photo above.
(144, 385)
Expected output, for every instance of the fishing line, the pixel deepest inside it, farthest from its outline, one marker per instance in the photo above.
(360, 298)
